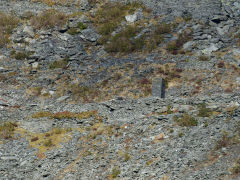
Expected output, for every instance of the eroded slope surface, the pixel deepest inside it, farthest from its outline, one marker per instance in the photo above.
(76, 81)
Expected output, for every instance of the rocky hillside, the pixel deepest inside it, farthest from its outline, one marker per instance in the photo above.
(76, 89)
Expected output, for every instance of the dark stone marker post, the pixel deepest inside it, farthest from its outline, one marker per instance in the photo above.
(158, 87)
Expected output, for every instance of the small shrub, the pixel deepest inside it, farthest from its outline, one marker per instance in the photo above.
(47, 135)
(65, 115)
(49, 19)
(57, 130)
(181, 134)
(48, 143)
(205, 124)
(27, 15)
(42, 114)
(34, 139)
(7, 130)
(228, 90)
(107, 19)
(172, 47)
(126, 157)
(124, 41)
(223, 142)
(144, 81)
(85, 93)
(78, 29)
(35, 91)
(203, 58)
(73, 31)
(186, 120)
(7, 24)
(149, 162)
(169, 111)
(147, 91)
(115, 172)
(163, 29)
(107, 29)
(59, 64)
(117, 76)
(236, 167)
(20, 55)
(176, 46)
(221, 64)
(187, 17)
(203, 111)
(2, 78)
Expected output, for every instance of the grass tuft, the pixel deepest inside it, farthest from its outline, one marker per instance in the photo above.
(236, 167)
(49, 19)
(7, 130)
(115, 172)
(7, 25)
(59, 63)
(186, 120)
(203, 111)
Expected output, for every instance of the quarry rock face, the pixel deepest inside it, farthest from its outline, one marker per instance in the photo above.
(120, 90)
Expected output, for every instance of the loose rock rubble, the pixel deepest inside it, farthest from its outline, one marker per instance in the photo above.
(72, 109)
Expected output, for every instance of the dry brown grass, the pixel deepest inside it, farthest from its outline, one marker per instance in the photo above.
(57, 2)
(49, 19)
(7, 130)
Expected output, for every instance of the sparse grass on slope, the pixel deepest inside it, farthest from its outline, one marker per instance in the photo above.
(7, 130)
(7, 24)
(49, 19)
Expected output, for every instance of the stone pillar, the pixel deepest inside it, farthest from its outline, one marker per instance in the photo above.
(158, 87)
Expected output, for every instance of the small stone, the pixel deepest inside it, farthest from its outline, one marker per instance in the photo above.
(29, 31)
(189, 45)
(159, 137)
(51, 92)
(63, 98)
(89, 35)
(238, 80)
(35, 65)
(210, 49)
(222, 31)
(131, 18)
(236, 52)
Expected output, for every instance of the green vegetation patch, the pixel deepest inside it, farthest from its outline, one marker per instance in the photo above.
(7, 24)
(127, 41)
(85, 93)
(59, 63)
(81, 26)
(49, 19)
(186, 120)
(65, 115)
(175, 47)
(124, 41)
(7, 130)
(236, 167)
(203, 58)
(115, 172)
(20, 55)
(107, 20)
(109, 16)
(203, 111)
